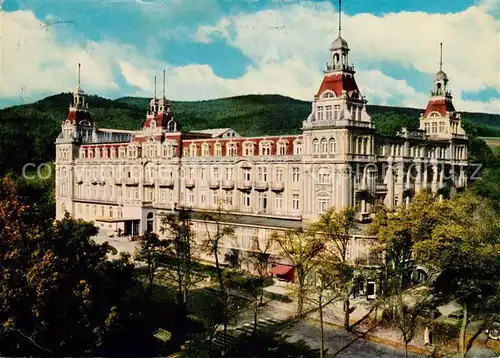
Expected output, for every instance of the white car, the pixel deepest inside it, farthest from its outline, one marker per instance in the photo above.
(494, 331)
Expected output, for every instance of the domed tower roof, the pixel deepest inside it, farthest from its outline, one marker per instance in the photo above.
(339, 43)
(441, 76)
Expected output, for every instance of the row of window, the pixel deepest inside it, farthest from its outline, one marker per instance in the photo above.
(131, 152)
(98, 211)
(435, 127)
(330, 112)
(248, 149)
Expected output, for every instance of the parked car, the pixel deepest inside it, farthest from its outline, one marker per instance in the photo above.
(429, 312)
(494, 331)
(454, 317)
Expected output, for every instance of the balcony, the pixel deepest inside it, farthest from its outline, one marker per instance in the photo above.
(214, 184)
(261, 185)
(381, 187)
(93, 180)
(228, 184)
(102, 181)
(118, 180)
(337, 123)
(164, 182)
(277, 186)
(361, 187)
(189, 183)
(79, 180)
(132, 181)
(245, 185)
(148, 181)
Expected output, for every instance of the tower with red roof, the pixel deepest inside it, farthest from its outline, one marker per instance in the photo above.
(440, 120)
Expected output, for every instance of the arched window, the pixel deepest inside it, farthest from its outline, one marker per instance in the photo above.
(315, 146)
(297, 147)
(324, 146)
(328, 95)
(281, 147)
(333, 146)
(265, 148)
(205, 150)
(110, 211)
(218, 149)
(192, 150)
(248, 148)
(63, 208)
(231, 149)
(150, 222)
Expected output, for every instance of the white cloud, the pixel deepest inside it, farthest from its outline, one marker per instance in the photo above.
(34, 62)
(287, 47)
(409, 39)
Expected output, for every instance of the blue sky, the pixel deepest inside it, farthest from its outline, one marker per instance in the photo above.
(214, 49)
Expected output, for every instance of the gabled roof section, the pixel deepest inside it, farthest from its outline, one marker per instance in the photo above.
(337, 82)
(441, 105)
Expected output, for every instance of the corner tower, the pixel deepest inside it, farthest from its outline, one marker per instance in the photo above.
(440, 118)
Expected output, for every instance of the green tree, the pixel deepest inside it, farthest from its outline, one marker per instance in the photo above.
(179, 253)
(151, 252)
(216, 233)
(465, 247)
(59, 294)
(337, 227)
(303, 249)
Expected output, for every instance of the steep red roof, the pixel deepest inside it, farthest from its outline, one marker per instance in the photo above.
(337, 83)
(78, 116)
(441, 105)
(161, 120)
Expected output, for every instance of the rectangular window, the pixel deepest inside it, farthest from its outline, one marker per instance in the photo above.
(279, 201)
(279, 175)
(202, 173)
(320, 113)
(246, 200)
(295, 202)
(323, 204)
(263, 202)
(336, 110)
(215, 173)
(228, 198)
(246, 174)
(229, 174)
(295, 175)
(426, 127)
(262, 174)
(328, 112)
(441, 127)
(203, 198)
(434, 128)
(215, 198)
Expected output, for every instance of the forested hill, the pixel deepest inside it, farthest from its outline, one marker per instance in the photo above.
(28, 132)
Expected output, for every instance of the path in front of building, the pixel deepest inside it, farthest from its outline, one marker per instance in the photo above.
(334, 338)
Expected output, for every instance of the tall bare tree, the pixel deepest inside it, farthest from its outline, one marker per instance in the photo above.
(302, 248)
(218, 230)
(336, 227)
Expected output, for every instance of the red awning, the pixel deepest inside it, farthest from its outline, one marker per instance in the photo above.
(280, 270)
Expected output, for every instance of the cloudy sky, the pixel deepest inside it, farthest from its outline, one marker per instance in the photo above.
(220, 48)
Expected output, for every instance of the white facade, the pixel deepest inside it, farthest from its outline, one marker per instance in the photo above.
(129, 179)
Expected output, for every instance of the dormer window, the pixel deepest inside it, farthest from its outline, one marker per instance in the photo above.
(265, 148)
(231, 149)
(132, 152)
(281, 147)
(205, 150)
(248, 148)
(105, 152)
(113, 152)
(122, 152)
(297, 147)
(97, 153)
(218, 150)
(90, 153)
(192, 149)
(82, 153)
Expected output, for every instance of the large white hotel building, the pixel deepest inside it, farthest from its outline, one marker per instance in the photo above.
(128, 180)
